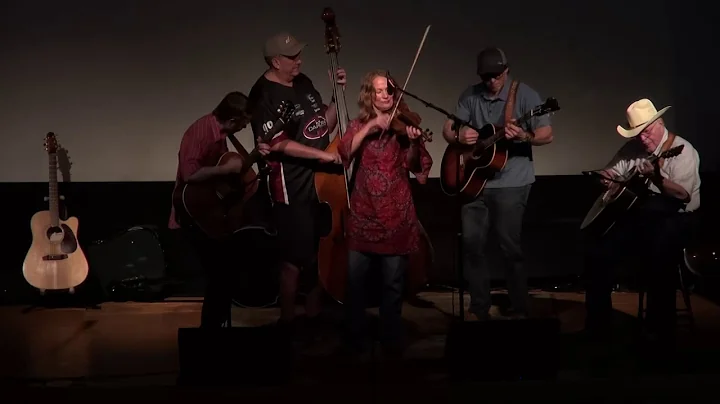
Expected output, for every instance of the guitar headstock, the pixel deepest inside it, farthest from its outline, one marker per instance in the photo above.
(51, 144)
(549, 106)
(286, 109)
(675, 151)
(332, 35)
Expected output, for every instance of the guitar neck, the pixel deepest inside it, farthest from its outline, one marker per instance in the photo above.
(339, 95)
(53, 191)
(500, 134)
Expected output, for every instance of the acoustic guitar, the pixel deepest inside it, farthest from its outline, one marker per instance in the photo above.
(55, 260)
(617, 200)
(480, 162)
(226, 204)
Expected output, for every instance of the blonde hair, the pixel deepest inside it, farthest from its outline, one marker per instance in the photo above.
(367, 95)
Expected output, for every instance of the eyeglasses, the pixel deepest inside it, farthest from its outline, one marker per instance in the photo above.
(490, 76)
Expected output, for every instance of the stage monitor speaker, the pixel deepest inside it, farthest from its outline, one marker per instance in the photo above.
(234, 356)
(503, 350)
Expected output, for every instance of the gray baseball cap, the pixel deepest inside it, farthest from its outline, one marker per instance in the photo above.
(282, 44)
(491, 61)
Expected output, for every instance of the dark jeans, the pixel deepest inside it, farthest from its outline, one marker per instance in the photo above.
(393, 275)
(504, 208)
(650, 240)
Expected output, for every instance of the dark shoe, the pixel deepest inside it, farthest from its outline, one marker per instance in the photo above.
(514, 314)
(477, 315)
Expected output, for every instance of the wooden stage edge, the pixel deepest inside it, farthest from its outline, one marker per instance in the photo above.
(135, 344)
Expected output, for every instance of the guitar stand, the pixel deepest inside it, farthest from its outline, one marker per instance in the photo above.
(57, 299)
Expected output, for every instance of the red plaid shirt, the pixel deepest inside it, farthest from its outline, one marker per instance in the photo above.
(202, 145)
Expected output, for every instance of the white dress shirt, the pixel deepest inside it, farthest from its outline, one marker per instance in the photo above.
(683, 169)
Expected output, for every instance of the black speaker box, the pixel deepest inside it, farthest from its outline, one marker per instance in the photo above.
(503, 350)
(234, 356)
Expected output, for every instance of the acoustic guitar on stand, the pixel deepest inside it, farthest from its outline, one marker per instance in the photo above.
(620, 198)
(219, 207)
(55, 260)
(480, 162)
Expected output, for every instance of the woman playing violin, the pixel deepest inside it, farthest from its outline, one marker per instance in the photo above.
(383, 227)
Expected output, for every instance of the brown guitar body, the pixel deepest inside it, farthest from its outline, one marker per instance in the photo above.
(220, 207)
(475, 168)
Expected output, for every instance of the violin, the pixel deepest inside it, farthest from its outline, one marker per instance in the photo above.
(404, 117)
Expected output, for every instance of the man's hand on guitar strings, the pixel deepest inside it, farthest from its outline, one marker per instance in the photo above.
(468, 136)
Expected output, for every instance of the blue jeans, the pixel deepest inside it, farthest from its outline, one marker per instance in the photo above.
(393, 276)
(504, 208)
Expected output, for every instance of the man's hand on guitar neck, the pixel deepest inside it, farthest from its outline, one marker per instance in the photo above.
(262, 148)
(648, 169)
(514, 132)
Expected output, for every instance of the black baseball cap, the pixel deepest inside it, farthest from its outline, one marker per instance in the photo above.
(491, 61)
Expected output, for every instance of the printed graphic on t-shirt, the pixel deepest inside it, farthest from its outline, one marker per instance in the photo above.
(316, 128)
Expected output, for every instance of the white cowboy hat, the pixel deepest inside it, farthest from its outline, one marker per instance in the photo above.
(640, 114)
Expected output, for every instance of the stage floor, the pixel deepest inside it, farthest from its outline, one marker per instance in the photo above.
(135, 344)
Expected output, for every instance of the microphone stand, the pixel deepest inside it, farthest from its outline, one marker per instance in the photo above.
(457, 124)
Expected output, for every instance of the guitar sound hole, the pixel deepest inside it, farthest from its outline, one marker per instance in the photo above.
(55, 234)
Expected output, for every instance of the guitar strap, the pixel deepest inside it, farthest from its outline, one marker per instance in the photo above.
(510, 104)
(666, 147)
(518, 149)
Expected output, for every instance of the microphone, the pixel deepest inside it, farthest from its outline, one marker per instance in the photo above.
(391, 86)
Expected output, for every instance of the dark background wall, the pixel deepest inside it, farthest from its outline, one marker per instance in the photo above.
(556, 207)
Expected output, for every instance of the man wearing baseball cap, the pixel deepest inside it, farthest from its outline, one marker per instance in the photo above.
(504, 198)
(655, 230)
(296, 152)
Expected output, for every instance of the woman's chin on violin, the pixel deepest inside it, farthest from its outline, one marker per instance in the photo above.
(382, 102)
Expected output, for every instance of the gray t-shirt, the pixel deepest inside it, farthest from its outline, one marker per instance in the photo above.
(479, 108)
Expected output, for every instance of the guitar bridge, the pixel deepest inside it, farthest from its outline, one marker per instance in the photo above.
(55, 257)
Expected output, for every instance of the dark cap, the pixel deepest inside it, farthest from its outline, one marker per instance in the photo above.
(491, 61)
(282, 44)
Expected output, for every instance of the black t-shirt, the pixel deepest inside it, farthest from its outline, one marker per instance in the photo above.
(291, 179)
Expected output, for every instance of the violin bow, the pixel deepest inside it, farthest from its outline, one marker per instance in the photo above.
(407, 79)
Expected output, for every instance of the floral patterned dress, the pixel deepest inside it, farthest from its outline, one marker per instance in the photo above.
(382, 213)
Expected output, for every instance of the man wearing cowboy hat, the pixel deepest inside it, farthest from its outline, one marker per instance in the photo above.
(655, 230)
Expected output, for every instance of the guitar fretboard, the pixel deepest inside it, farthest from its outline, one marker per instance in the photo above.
(53, 191)
(500, 134)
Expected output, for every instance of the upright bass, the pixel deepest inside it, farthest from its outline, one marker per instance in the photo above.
(331, 184)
